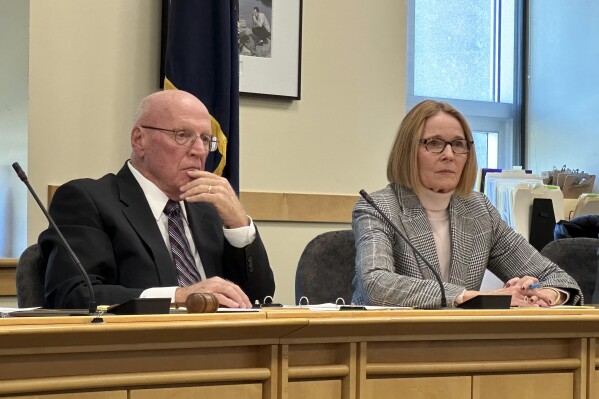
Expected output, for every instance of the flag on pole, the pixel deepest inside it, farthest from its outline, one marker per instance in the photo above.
(200, 56)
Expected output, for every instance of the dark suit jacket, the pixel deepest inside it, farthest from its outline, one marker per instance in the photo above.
(110, 227)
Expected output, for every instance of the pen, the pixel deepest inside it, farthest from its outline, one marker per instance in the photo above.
(534, 286)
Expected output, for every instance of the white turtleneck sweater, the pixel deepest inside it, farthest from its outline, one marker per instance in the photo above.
(436, 209)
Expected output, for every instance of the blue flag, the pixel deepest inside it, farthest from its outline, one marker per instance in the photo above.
(201, 57)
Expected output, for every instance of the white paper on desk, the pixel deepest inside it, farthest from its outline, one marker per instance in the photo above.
(5, 312)
(234, 310)
(8, 310)
(323, 306)
(332, 306)
(182, 309)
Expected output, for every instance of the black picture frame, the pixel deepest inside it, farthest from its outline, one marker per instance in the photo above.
(274, 68)
(277, 75)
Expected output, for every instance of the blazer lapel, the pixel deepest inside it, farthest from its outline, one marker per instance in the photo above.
(418, 231)
(461, 228)
(138, 213)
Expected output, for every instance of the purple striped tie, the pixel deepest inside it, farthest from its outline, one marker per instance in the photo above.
(184, 261)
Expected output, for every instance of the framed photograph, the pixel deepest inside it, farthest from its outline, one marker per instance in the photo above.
(270, 35)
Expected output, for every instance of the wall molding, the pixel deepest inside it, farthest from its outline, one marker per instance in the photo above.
(290, 207)
(298, 207)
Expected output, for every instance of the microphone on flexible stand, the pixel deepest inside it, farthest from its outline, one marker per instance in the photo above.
(92, 297)
(133, 306)
(369, 199)
(480, 301)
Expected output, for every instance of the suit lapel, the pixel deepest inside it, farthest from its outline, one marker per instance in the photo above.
(138, 213)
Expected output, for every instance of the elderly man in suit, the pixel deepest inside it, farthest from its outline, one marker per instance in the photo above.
(162, 226)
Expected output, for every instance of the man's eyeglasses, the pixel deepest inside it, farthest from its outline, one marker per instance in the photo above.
(437, 146)
(189, 137)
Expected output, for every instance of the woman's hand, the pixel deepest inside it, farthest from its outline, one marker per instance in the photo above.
(521, 293)
(548, 295)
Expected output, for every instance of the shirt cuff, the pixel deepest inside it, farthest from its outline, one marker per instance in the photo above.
(459, 299)
(241, 237)
(564, 293)
(160, 292)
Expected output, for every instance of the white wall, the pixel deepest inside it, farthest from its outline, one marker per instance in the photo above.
(563, 95)
(91, 62)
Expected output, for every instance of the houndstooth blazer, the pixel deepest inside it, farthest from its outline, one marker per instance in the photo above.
(388, 272)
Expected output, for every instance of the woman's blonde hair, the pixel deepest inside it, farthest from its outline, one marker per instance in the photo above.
(402, 167)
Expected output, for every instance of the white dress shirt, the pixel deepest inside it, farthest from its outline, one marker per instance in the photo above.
(238, 237)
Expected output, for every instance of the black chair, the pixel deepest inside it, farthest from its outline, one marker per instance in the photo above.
(30, 276)
(579, 257)
(326, 268)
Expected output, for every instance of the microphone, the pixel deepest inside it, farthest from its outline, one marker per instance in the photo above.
(92, 297)
(369, 199)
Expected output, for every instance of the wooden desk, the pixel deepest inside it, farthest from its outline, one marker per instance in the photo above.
(304, 354)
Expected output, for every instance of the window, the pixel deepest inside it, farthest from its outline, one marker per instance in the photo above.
(561, 95)
(468, 53)
(13, 125)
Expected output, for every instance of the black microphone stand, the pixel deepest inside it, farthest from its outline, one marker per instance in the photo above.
(369, 199)
(92, 298)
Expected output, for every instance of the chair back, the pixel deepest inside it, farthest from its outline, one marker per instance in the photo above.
(326, 268)
(30, 276)
(580, 259)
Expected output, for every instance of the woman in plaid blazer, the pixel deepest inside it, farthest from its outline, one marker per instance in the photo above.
(432, 170)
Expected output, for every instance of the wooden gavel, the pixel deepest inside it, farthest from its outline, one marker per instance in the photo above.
(200, 303)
